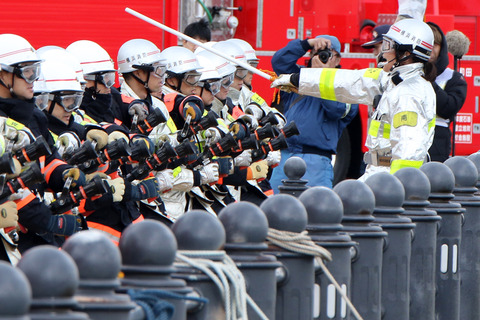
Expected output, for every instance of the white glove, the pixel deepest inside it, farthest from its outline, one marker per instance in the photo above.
(67, 141)
(244, 159)
(284, 84)
(18, 139)
(116, 135)
(209, 173)
(255, 111)
(212, 135)
(250, 120)
(8, 214)
(117, 186)
(273, 158)
(165, 179)
(139, 109)
(281, 120)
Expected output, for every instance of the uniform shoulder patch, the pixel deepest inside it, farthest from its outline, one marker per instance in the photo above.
(372, 73)
(405, 118)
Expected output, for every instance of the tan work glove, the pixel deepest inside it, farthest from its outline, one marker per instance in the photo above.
(18, 169)
(257, 170)
(8, 214)
(99, 137)
(116, 135)
(117, 186)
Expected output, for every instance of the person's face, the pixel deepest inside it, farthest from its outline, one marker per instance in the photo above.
(333, 62)
(60, 113)
(206, 96)
(21, 88)
(248, 79)
(101, 88)
(377, 48)
(435, 52)
(222, 95)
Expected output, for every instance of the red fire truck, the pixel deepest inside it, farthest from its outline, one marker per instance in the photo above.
(267, 25)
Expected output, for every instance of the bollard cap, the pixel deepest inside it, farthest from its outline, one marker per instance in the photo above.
(388, 190)
(295, 168)
(285, 212)
(96, 256)
(357, 198)
(464, 171)
(16, 294)
(244, 222)
(415, 182)
(52, 274)
(475, 158)
(323, 205)
(148, 243)
(442, 180)
(199, 230)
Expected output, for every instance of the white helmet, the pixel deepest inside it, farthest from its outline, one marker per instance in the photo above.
(15, 49)
(179, 60)
(135, 53)
(54, 53)
(92, 57)
(59, 76)
(247, 49)
(222, 66)
(231, 49)
(414, 36)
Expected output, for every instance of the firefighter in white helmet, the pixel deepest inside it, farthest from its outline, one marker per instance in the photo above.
(401, 128)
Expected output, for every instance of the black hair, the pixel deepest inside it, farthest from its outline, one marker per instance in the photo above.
(429, 68)
(199, 29)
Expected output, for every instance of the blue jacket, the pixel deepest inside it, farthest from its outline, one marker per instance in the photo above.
(319, 121)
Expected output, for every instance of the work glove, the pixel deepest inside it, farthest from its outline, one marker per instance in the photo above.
(8, 214)
(244, 159)
(99, 137)
(284, 84)
(117, 188)
(64, 224)
(90, 176)
(138, 108)
(18, 139)
(116, 135)
(165, 180)
(273, 158)
(18, 169)
(209, 173)
(67, 141)
(257, 170)
(251, 120)
(212, 135)
(76, 174)
(255, 110)
(145, 189)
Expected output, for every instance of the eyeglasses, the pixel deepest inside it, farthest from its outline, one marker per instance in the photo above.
(241, 73)
(69, 102)
(387, 44)
(227, 81)
(107, 78)
(28, 73)
(41, 100)
(192, 78)
(212, 86)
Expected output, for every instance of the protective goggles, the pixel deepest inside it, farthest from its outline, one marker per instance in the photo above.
(69, 102)
(241, 73)
(107, 78)
(387, 44)
(227, 81)
(28, 73)
(253, 63)
(41, 100)
(159, 70)
(212, 86)
(192, 78)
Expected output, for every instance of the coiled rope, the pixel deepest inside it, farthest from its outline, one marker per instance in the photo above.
(302, 243)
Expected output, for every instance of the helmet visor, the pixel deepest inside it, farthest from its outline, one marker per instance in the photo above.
(69, 102)
(241, 73)
(227, 81)
(28, 73)
(192, 78)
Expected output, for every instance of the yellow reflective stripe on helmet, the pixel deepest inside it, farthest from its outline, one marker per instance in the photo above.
(171, 125)
(431, 124)
(372, 73)
(373, 128)
(405, 118)
(257, 99)
(12, 123)
(386, 130)
(399, 164)
(176, 171)
(326, 88)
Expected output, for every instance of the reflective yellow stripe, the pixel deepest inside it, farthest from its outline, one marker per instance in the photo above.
(176, 171)
(373, 129)
(55, 137)
(88, 119)
(431, 124)
(372, 73)
(399, 164)
(230, 118)
(406, 118)
(257, 99)
(14, 124)
(171, 125)
(222, 123)
(326, 84)
(386, 130)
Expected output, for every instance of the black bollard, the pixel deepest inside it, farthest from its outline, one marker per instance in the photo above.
(148, 251)
(424, 243)
(389, 196)
(325, 213)
(295, 290)
(54, 278)
(466, 175)
(98, 270)
(200, 231)
(442, 182)
(15, 295)
(358, 205)
(294, 168)
(246, 228)
(475, 158)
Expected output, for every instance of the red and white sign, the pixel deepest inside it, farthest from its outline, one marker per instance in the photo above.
(464, 128)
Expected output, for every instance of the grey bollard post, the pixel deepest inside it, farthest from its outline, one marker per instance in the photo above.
(295, 290)
(466, 174)
(15, 293)
(475, 158)
(358, 205)
(54, 278)
(199, 230)
(99, 262)
(246, 228)
(325, 212)
(294, 168)
(424, 242)
(148, 250)
(389, 196)
(442, 182)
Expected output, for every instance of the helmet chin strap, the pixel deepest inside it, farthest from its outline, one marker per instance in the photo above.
(144, 83)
